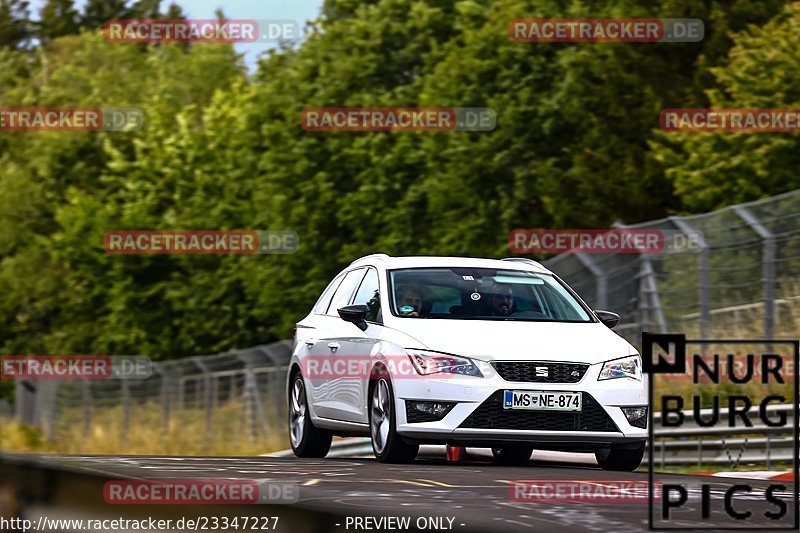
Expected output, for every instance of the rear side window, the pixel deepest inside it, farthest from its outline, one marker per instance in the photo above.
(346, 289)
(369, 295)
(325, 300)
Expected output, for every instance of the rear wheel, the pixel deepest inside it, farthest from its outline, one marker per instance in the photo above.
(620, 459)
(387, 444)
(307, 440)
(513, 456)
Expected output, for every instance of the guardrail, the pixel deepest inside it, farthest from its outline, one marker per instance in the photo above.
(692, 444)
(710, 447)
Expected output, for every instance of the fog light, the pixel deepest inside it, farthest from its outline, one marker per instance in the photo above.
(637, 416)
(427, 411)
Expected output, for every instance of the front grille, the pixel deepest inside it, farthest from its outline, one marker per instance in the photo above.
(491, 415)
(527, 371)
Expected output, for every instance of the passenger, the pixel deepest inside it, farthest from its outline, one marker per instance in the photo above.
(410, 301)
(501, 300)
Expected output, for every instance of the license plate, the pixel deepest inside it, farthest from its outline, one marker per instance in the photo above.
(534, 400)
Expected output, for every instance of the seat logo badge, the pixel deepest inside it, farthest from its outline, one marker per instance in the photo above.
(575, 374)
(542, 372)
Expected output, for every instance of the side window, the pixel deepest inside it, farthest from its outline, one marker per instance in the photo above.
(369, 295)
(324, 300)
(342, 295)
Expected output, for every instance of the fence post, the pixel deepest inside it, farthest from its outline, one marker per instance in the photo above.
(87, 399)
(126, 410)
(703, 269)
(51, 409)
(601, 285)
(767, 266)
(181, 386)
(700, 453)
(20, 403)
(207, 399)
(252, 395)
(165, 399)
(649, 291)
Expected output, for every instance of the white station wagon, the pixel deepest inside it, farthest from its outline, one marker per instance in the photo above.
(488, 353)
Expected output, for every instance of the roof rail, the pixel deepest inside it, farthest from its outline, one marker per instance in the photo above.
(524, 260)
(382, 256)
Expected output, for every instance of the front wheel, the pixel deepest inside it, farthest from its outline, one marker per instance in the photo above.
(307, 440)
(514, 456)
(387, 444)
(620, 459)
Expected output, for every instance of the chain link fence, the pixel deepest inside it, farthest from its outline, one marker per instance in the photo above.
(219, 404)
(741, 280)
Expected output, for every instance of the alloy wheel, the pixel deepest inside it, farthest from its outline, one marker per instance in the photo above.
(381, 416)
(297, 412)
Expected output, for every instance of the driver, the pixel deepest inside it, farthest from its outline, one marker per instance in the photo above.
(410, 301)
(501, 300)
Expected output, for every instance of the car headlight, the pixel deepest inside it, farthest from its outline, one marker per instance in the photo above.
(427, 363)
(625, 367)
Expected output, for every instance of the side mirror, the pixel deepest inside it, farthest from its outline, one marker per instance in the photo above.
(608, 318)
(355, 314)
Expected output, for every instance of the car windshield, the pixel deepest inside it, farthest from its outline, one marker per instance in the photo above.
(484, 294)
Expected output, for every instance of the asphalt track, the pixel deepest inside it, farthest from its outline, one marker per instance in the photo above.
(475, 493)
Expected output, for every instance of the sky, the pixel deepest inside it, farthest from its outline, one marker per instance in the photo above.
(299, 10)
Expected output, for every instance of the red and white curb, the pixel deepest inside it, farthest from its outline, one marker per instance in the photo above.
(756, 474)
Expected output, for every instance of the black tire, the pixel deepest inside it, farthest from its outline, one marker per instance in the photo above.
(512, 456)
(387, 444)
(620, 459)
(306, 439)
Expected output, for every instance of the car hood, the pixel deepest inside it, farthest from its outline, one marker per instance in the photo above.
(486, 340)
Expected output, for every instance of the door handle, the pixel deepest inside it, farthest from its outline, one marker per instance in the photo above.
(333, 346)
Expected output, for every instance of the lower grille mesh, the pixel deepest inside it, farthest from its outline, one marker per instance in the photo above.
(491, 415)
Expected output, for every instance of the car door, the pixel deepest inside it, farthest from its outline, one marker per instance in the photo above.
(348, 392)
(307, 336)
(319, 369)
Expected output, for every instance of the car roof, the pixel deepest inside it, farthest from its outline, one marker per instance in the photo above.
(509, 263)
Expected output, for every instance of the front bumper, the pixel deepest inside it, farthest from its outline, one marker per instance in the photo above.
(478, 418)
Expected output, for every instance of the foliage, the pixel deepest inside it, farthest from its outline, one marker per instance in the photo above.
(576, 145)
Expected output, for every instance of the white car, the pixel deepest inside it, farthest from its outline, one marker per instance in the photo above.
(488, 353)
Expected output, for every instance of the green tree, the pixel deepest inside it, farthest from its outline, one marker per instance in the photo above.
(575, 145)
(97, 12)
(57, 18)
(712, 170)
(14, 24)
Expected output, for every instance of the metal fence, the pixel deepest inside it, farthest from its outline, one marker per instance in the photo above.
(742, 278)
(207, 404)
